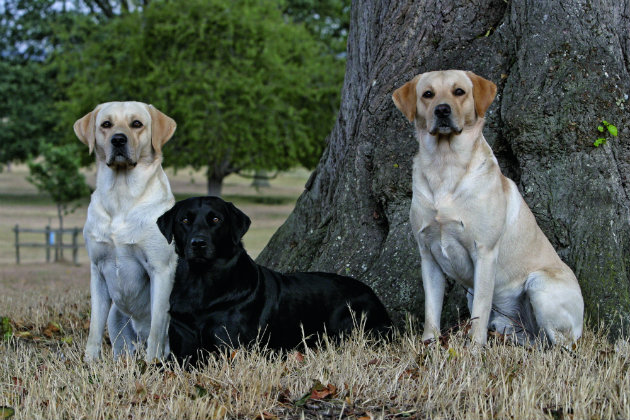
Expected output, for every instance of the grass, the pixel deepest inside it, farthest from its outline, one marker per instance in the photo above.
(44, 316)
(43, 375)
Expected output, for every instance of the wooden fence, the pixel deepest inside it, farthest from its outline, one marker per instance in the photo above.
(52, 242)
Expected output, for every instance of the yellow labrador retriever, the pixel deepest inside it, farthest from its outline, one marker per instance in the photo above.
(132, 264)
(473, 226)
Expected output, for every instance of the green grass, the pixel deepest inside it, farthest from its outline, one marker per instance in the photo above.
(248, 199)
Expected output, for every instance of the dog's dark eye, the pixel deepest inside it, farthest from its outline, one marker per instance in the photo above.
(136, 124)
(185, 221)
(106, 124)
(459, 92)
(215, 220)
(428, 94)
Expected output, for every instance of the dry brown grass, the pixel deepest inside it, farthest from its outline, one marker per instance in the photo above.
(43, 375)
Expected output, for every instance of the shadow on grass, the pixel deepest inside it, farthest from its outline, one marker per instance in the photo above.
(43, 199)
(31, 199)
(249, 199)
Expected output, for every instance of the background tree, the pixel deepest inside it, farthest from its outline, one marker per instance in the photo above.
(25, 117)
(328, 20)
(248, 88)
(561, 68)
(57, 174)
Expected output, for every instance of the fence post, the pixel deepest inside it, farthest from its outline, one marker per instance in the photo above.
(47, 243)
(75, 247)
(58, 232)
(16, 229)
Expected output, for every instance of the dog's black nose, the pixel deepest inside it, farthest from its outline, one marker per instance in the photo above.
(119, 139)
(198, 243)
(442, 111)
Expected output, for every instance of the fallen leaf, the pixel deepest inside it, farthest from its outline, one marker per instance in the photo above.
(140, 389)
(18, 385)
(266, 416)
(51, 329)
(412, 373)
(284, 396)
(169, 374)
(200, 391)
(319, 391)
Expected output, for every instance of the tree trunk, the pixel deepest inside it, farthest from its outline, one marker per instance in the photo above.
(215, 174)
(215, 184)
(261, 179)
(561, 67)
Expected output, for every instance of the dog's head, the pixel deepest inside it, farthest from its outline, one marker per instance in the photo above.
(204, 228)
(445, 102)
(125, 133)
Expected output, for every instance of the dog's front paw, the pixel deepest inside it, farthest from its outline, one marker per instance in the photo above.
(428, 337)
(92, 354)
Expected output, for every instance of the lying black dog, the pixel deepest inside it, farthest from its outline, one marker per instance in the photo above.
(222, 297)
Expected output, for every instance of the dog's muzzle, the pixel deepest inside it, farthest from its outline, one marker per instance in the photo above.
(119, 157)
(443, 123)
(199, 248)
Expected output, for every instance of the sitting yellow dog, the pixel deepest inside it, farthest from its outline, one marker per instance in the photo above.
(473, 226)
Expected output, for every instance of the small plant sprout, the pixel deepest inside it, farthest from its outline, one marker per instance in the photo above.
(604, 127)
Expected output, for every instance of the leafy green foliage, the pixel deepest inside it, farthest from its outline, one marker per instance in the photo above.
(24, 120)
(25, 117)
(248, 88)
(328, 20)
(605, 126)
(58, 174)
(6, 330)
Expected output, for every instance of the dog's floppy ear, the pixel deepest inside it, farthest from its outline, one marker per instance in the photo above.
(484, 92)
(240, 223)
(165, 223)
(405, 98)
(162, 128)
(85, 130)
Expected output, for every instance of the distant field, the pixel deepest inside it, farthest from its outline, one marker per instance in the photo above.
(21, 203)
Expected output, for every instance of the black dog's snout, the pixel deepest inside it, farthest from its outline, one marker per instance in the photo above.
(119, 139)
(442, 111)
(198, 243)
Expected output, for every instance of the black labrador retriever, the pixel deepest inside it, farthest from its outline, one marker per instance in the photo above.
(222, 297)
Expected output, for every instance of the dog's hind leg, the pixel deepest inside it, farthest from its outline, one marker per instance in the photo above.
(557, 304)
(121, 332)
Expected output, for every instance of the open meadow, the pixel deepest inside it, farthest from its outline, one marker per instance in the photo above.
(44, 313)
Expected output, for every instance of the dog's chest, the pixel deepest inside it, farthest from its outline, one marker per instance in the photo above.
(447, 238)
(115, 230)
(126, 276)
(439, 223)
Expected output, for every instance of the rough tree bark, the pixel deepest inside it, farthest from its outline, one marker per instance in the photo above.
(561, 66)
